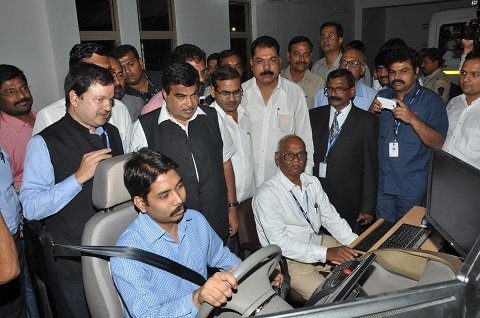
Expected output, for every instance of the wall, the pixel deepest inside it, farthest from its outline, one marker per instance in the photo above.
(288, 18)
(203, 23)
(26, 42)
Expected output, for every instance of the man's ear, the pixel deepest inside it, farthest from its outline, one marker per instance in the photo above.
(164, 94)
(141, 63)
(73, 98)
(212, 91)
(340, 40)
(140, 204)
(417, 72)
(277, 157)
(251, 63)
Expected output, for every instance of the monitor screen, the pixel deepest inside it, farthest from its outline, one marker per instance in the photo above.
(453, 202)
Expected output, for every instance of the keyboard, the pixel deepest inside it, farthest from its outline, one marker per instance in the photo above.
(407, 236)
(371, 239)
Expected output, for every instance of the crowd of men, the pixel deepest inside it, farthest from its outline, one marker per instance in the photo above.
(311, 144)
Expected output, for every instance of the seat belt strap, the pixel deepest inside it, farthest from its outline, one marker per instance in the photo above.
(137, 254)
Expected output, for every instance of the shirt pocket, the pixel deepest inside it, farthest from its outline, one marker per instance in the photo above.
(472, 140)
(283, 121)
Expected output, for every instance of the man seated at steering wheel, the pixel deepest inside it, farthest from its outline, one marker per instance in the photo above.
(165, 227)
(289, 210)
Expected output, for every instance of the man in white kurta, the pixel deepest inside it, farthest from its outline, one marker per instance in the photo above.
(277, 107)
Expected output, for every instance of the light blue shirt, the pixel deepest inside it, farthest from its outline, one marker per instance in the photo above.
(9, 204)
(364, 97)
(151, 292)
(39, 194)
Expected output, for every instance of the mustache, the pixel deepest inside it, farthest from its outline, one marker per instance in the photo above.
(21, 101)
(177, 209)
(397, 81)
(266, 73)
(301, 63)
(334, 98)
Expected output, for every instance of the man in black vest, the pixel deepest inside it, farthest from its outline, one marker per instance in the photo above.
(59, 166)
(198, 141)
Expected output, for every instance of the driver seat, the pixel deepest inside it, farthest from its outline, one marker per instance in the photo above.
(117, 212)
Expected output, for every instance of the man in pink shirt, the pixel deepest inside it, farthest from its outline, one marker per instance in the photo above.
(16, 117)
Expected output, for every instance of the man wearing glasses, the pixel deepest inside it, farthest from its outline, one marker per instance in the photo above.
(277, 107)
(354, 61)
(299, 58)
(198, 141)
(331, 38)
(342, 132)
(289, 210)
(227, 90)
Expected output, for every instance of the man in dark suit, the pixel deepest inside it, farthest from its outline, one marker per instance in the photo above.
(345, 140)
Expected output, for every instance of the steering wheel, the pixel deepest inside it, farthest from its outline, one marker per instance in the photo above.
(254, 289)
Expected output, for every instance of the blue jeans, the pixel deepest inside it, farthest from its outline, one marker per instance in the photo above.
(392, 208)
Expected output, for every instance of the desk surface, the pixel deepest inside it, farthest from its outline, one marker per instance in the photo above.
(413, 217)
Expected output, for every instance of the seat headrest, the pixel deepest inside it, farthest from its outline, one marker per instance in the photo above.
(108, 187)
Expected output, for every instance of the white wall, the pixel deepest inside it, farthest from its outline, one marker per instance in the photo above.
(26, 42)
(284, 20)
(204, 23)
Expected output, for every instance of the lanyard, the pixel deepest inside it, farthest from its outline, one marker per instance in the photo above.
(396, 123)
(305, 214)
(331, 142)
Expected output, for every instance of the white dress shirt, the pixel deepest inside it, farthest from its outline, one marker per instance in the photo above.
(120, 118)
(463, 136)
(139, 140)
(242, 160)
(341, 117)
(285, 113)
(280, 221)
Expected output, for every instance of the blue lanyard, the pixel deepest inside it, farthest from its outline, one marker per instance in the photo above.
(305, 214)
(396, 123)
(331, 142)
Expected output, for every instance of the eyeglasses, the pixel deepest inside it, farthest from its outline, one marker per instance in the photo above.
(352, 63)
(329, 90)
(271, 60)
(304, 54)
(329, 36)
(226, 94)
(13, 91)
(289, 156)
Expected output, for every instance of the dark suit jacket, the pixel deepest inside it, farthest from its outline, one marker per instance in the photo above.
(352, 165)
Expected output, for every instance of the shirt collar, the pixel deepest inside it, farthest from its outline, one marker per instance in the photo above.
(14, 121)
(412, 93)
(165, 115)
(288, 75)
(279, 83)
(474, 103)
(69, 119)
(153, 232)
(240, 110)
(289, 185)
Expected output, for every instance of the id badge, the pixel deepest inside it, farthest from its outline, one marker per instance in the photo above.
(322, 170)
(393, 149)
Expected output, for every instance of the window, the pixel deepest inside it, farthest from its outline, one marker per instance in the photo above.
(240, 32)
(157, 31)
(97, 22)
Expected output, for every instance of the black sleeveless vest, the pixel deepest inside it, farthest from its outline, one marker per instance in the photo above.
(67, 141)
(208, 194)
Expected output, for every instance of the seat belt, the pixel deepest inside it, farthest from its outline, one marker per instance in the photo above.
(137, 254)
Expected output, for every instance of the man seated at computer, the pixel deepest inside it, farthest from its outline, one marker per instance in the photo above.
(289, 210)
(166, 227)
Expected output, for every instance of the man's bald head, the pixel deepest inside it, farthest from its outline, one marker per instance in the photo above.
(285, 141)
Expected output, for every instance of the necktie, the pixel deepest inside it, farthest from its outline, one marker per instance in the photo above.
(335, 129)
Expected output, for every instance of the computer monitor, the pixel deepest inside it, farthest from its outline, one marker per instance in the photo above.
(453, 202)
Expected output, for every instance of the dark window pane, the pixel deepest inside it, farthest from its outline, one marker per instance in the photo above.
(242, 46)
(154, 15)
(237, 17)
(94, 15)
(155, 53)
(109, 44)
